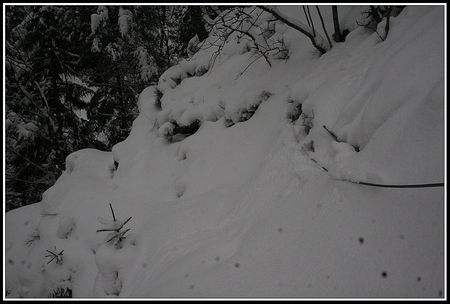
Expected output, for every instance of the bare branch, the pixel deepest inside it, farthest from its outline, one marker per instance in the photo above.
(312, 23)
(323, 26)
(306, 16)
(112, 211)
(298, 27)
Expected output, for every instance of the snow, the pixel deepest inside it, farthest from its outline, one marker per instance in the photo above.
(26, 130)
(145, 62)
(244, 209)
(96, 45)
(192, 47)
(125, 18)
(97, 19)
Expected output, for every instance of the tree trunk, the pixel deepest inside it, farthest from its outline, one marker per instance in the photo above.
(337, 31)
(388, 15)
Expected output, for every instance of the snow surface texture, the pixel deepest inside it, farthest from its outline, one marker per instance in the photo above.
(239, 208)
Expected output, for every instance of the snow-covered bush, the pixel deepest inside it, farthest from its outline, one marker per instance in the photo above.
(124, 21)
(147, 67)
(247, 112)
(193, 46)
(201, 70)
(166, 130)
(97, 19)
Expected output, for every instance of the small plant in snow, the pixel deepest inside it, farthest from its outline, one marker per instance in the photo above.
(61, 292)
(116, 235)
(54, 256)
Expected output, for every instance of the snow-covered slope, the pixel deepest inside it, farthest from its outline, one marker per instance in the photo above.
(242, 208)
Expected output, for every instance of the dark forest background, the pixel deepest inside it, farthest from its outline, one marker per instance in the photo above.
(73, 76)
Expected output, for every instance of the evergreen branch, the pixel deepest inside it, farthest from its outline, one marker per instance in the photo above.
(29, 161)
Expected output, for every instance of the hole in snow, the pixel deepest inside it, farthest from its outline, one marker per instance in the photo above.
(294, 110)
(309, 146)
(384, 274)
(174, 132)
(182, 155)
(180, 189)
(177, 80)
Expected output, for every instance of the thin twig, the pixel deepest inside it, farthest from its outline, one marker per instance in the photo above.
(331, 133)
(112, 211)
(307, 19)
(312, 23)
(297, 27)
(381, 185)
(117, 229)
(398, 186)
(323, 26)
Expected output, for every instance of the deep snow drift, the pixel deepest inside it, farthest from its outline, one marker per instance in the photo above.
(242, 208)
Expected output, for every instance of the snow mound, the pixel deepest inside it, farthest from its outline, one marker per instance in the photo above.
(252, 198)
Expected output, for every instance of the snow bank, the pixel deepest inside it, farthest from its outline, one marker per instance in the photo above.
(242, 206)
